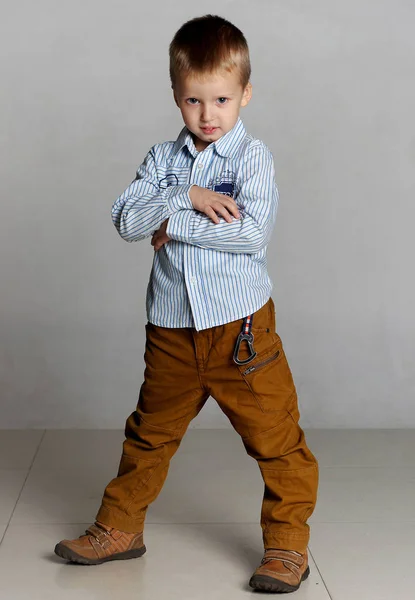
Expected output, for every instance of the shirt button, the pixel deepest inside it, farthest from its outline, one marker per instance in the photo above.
(192, 280)
(200, 166)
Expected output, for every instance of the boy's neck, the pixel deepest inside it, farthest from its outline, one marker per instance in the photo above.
(196, 141)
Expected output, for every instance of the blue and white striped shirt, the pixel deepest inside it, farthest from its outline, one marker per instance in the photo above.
(209, 273)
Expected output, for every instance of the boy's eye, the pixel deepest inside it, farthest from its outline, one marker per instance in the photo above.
(190, 100)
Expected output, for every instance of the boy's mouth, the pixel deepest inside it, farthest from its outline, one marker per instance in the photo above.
(208, 129)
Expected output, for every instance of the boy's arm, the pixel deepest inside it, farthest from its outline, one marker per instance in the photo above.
(143, 206)
(257, 201)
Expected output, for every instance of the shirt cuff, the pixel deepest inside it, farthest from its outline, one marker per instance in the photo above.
(177, 197)
(178, 226)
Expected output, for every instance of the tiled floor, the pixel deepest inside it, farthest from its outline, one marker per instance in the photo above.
(206, 545)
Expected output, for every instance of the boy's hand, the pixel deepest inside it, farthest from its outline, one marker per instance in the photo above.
(210, 203)
(205, 201)
(160, 236)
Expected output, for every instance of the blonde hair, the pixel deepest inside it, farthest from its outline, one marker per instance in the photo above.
(208, 44)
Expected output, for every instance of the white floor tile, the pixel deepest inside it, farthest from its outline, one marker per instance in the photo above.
(214, 462)
(228, 483)
(11, 482)
(2, 530)
(183, 562)
(203, 529)
(362, 447)
(332, 447)
(227, 496)
(83, 448)
(61, 496)
(74, 495)
(370, 494)
(219, 441)
(79, 448)
(18, 447)
(365, 561)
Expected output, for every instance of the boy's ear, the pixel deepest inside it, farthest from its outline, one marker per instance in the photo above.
(174, 96)
(247, 95)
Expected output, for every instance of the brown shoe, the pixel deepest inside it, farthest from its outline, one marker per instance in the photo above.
(280, 571)
(101, 543)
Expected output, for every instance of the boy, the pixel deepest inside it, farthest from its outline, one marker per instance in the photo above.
(209, 200)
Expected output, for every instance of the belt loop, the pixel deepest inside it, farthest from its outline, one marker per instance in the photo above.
(273, 315)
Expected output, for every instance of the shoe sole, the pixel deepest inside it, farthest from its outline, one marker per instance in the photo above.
(269, 584)
(68, 554)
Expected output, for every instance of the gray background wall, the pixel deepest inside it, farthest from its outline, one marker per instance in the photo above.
(85, 93)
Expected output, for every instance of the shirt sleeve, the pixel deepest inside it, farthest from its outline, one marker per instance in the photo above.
(143, 206)
(257, 201)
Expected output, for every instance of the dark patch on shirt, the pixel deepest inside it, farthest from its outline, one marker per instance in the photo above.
(224, 183)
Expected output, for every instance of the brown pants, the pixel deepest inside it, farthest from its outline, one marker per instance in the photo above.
(183, 368)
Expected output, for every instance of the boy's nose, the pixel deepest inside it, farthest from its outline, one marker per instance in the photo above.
(206, 117)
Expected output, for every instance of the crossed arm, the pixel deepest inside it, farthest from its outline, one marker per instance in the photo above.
(143, 209)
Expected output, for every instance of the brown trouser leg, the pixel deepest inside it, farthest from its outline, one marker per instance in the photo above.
(183, 368)
(170, 397)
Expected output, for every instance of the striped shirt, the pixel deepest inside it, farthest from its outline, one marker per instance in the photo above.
(208, 273)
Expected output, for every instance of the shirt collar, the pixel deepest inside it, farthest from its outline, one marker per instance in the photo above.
(226, 146)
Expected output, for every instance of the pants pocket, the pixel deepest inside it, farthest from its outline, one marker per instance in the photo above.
(269, 378)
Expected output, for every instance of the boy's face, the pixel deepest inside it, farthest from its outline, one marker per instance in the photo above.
(213, 101)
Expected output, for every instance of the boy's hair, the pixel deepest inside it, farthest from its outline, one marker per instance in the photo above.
(208, 44)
